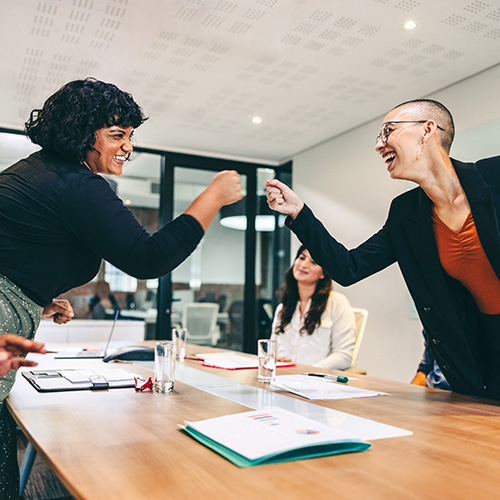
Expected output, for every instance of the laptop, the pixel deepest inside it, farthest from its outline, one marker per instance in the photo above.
(100, 353)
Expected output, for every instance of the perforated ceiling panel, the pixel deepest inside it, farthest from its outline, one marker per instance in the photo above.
(201, 69)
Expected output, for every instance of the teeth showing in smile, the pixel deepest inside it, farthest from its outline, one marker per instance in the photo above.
(389, 157)
(122, 158)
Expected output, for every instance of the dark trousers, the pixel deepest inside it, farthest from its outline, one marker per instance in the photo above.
(491, 330)
(9, 470)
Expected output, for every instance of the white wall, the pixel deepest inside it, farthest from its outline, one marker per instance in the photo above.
(346, 185)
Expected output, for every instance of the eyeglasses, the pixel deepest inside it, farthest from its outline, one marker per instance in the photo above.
(385, 131)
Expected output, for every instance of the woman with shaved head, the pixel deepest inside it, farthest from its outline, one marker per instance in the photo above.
(444, 235)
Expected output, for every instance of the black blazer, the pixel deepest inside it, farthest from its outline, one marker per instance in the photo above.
(448, 313)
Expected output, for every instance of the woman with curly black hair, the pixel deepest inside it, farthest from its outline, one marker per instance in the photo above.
(313, 325)
(59, 219)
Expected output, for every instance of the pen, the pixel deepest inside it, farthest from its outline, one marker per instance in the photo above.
(338, 378)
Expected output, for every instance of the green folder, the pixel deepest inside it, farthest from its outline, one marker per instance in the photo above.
(271, 435)
(311, 451)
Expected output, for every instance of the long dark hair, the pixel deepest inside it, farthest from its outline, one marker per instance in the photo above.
(68, 120)
(290, 296)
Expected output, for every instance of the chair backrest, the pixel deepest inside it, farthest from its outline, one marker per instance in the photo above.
(361, 315)
(200, 320)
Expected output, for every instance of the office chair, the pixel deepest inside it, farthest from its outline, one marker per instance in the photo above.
(361, 315)
(200, 320)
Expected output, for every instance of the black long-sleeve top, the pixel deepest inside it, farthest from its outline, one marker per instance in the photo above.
(58, 220)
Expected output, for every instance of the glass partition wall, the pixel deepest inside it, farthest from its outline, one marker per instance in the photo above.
(240, 262)
(215, 272)
(238, 265)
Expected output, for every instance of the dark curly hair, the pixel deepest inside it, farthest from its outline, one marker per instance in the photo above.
(290, 296)
(67, 123)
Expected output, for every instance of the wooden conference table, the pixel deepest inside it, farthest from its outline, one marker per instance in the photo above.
(119, 444)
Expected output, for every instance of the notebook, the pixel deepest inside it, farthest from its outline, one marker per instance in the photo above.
(101, 353)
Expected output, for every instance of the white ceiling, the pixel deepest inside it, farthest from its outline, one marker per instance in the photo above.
(201, 69)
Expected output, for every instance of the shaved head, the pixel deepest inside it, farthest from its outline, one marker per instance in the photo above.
(427, 109)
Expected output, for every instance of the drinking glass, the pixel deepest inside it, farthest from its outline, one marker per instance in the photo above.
(179, 336)
(164, 366)
(266, 351)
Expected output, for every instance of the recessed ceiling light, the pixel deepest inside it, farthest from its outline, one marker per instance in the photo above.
(410, 25)
(256, 119)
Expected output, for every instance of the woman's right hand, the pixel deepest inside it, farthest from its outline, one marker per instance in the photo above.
(226, 187)
(282, 199)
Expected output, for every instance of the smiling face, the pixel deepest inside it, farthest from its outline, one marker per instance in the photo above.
(113, 147)
(400, 151)
(305, 270)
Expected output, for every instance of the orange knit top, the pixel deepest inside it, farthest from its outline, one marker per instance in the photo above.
(463, 258)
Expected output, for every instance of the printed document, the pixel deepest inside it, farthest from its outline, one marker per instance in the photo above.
(320, 388)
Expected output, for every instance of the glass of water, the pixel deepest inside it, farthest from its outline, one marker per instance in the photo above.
(179, 335)
(164, 366)
(266, 351)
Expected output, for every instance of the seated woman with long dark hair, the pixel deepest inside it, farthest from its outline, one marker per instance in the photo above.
(313, 325)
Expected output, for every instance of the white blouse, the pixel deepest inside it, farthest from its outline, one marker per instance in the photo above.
(332, 342)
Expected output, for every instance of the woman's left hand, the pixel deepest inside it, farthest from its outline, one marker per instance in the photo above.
(60, 311)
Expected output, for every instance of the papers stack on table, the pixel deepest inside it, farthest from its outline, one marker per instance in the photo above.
(320, 388)
(231, 361)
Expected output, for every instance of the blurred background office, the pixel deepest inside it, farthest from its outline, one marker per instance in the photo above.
(272, 88)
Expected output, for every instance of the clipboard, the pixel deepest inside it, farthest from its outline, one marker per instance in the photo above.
(78, 380)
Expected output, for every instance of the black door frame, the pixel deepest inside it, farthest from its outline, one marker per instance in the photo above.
(280, 251)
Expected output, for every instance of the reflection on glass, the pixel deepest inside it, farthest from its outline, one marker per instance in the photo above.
(214, 273)
(264, 262)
